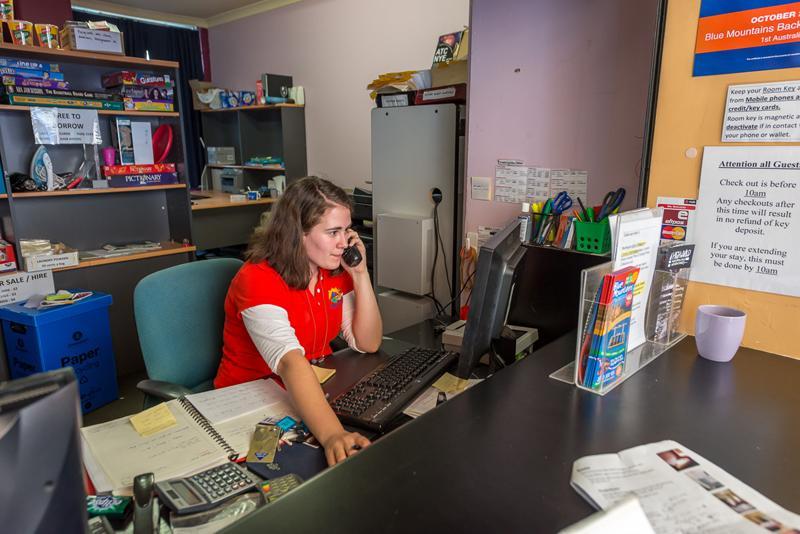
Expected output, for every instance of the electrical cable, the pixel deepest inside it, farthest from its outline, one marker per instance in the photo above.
(463, 287)
(439, 308)
(438, 235)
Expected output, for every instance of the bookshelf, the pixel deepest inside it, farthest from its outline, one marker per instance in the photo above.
(269, 130)
(87, 219)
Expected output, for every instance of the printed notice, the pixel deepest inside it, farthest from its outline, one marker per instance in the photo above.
(678, 221)
(517, 182)
(65, 126)
(573, 181)
(767, 112)
(511, 183)
(747, 218)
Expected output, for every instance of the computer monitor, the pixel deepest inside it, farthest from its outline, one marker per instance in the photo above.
(494, 282)
(41, 487)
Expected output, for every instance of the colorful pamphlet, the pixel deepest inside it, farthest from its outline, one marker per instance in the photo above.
(608, 325)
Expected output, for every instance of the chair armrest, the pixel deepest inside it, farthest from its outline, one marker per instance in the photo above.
(162, 390)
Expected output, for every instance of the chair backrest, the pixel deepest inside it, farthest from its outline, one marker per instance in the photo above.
(179, 319)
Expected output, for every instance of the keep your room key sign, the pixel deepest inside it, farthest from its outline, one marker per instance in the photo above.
(748, 219)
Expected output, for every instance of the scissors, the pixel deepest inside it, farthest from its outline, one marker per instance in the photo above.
(611, 201)
(561, 203)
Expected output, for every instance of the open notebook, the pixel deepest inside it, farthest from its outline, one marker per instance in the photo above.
(211, 428)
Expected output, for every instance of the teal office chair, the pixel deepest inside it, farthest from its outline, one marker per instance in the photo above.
(179, 319)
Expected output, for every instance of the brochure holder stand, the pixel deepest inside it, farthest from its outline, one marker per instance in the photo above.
(661, 319)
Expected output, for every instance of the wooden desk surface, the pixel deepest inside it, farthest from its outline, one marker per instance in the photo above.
(218, 199)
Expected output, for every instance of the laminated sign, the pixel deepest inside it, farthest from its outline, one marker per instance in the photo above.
(65, 126)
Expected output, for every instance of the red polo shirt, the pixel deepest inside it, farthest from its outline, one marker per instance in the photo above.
(316, 318)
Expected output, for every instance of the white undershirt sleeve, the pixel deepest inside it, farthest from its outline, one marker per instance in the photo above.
(271, 332)
(348, 307)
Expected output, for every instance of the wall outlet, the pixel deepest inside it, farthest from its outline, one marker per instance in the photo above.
(472, 237)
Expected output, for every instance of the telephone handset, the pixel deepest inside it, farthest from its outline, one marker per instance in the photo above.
(351, 256)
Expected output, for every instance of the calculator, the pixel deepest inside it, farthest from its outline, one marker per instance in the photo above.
(278, 487)
(206, 489)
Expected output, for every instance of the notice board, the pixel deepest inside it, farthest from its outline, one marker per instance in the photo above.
(689, 114)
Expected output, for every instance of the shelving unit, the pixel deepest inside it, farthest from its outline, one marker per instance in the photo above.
(110, 190)
(86, 219)
(272, 130)
(167, 249)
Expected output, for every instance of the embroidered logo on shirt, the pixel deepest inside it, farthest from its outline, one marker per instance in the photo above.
(335, 296)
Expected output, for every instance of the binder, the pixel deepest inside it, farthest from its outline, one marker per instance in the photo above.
(212, 427)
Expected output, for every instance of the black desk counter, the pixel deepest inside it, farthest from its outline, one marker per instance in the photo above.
(498, 457)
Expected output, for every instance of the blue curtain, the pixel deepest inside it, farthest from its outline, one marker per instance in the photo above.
(172, 44)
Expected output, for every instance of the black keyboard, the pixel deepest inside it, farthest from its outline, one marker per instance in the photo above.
(378, 397)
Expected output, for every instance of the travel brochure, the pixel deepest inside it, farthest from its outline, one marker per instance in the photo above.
(679, 491)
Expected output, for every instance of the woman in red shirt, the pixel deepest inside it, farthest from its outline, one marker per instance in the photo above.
(292, 296)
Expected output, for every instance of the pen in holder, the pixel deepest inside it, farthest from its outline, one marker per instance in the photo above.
(594, 237)
(545, 228)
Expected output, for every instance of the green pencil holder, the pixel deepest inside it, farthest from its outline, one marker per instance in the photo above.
(593, 237)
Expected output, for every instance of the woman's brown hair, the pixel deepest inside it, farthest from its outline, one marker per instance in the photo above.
(279, 240)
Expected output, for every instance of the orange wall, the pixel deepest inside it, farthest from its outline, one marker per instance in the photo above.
(689, 114)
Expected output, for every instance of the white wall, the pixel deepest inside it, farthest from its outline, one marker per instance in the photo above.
(334, 48)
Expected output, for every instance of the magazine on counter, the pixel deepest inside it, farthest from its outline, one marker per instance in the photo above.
(680, 491)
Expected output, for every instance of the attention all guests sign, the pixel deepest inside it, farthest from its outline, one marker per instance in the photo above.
(747, 35)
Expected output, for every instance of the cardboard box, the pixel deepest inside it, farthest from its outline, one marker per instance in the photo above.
(451, 73)
(87, 40)
(48, 262)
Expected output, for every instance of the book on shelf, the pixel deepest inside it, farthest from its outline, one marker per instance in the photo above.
(50, 101)
(122, 170)
(605, 339)
(29, 65)
(210, 429)
(138, 104)
(62, 93)
(138, 180)
(20, 81)
(127, 77)
(32, 73)
(145, 92)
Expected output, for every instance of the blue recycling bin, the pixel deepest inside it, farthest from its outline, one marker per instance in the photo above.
(73, 335)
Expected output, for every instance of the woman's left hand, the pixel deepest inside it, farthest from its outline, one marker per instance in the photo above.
(354, 240)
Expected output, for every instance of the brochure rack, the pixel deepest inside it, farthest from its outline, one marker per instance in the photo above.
(661, 319)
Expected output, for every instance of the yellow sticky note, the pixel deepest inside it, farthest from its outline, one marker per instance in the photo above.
(449, 383)
(153, 420)
(323, 375)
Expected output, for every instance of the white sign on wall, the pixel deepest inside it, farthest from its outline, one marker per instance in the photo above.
(747, 224)
(65, 126)
(762, 112)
